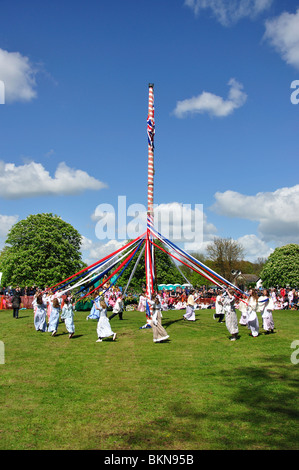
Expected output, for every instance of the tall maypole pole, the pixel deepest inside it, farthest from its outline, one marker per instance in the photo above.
(149, 258)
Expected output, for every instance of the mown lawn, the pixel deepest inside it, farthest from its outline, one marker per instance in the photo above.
(198, 391)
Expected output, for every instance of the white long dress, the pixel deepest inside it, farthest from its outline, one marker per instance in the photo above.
(190, 312)
(159, 333)
(67, 315)
(103, 327)
(231, 320)
(266, 306)
(243, 307)
(253, 322)
(40, 322)
(54, 319)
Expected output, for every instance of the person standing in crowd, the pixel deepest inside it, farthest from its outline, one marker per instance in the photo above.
(159, 333)
(219, 311)
(67, 315)
(103, 327)
(190, 311)
(16, 302)
(54, 317)
(40, 308)
(253, 322)
(231, 320)
(118, 308)
(266, 307)
(290, 297)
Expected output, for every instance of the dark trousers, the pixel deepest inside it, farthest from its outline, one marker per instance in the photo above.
(16, 312)
(114, 314)
(220, 316)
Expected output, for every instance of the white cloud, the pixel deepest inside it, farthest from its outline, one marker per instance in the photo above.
(229, 12)
(184, 224)
(95, 251)
(18, 76)
(254, 247)
(6, 222)
(212, 104)
(283, 34)
(32, 179)
(179, 222)
(276, 212)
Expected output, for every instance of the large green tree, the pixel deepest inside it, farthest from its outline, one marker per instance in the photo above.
(42, 250)
(282, 267)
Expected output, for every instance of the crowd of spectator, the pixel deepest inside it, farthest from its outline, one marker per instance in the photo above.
(284, 298)
(24, 290)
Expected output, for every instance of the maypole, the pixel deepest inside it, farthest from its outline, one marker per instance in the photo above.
(149, 248)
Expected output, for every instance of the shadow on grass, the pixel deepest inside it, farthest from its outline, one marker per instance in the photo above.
(257, 409)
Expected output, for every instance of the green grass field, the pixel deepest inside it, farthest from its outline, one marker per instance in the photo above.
(198, 391)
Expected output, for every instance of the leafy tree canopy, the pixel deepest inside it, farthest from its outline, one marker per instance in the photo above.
(226, 255)
(42, 250)
(282, 267)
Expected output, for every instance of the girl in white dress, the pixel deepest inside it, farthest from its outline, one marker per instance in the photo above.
(253, 322)
(219, 311)
(54, 317)
(67, 315)
(243, 307)
(40, 322)
(103, 327)
(231, 320)
(266, 307)
(190, 313)
(142, 304)
(159, 333)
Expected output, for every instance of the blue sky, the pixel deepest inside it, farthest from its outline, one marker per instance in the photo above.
(73, 118)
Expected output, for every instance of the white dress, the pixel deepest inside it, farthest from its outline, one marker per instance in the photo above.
(103, 326)
(40, 322)
(159, 333)
(54, 319)
(253, 322)
(219, 310)
(190, 312)
(67, 315)
(142, 304)
(231, 320)
(266, 306)
(243, 307)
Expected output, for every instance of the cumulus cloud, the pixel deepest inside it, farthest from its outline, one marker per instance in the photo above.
(18, 76)
(32, 180)
(229, 12)
(168, 220)
(6, 222)
(184, 224)
(176, 221)
(282, 33)
(254, 247)
(95, 251)
(276, 212)
(212, 104)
